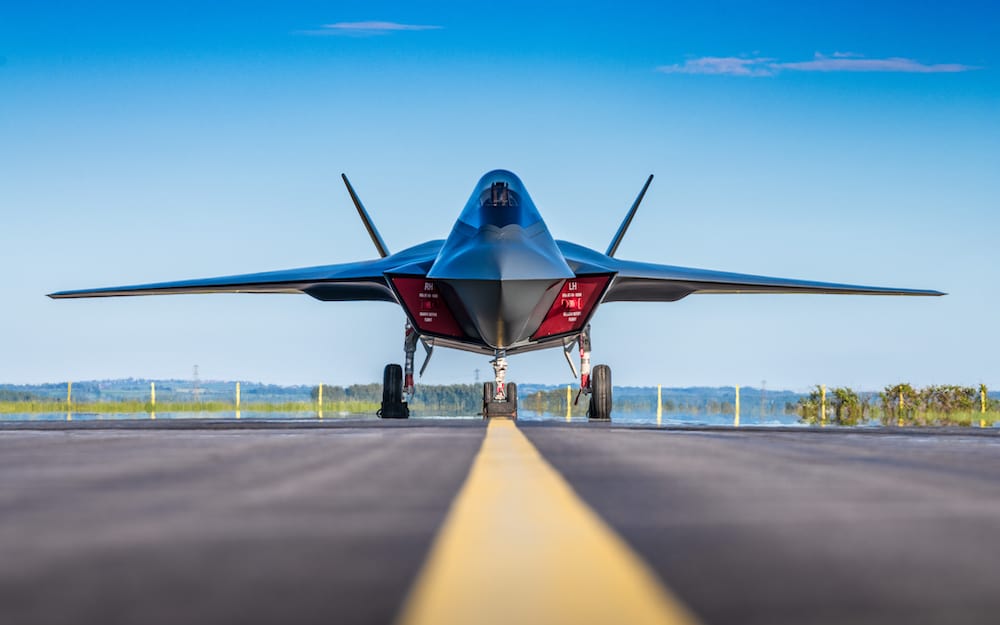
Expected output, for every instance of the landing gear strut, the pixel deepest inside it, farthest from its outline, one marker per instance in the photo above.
(397, 382)
(499, 399)
(596, 383)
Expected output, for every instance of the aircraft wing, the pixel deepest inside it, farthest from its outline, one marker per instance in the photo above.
(359, 281)
(648, 282)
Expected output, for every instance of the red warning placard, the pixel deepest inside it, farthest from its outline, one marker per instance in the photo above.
(572, 306)
(429, 311)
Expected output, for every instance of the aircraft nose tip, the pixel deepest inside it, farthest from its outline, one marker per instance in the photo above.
(504, 255)
(505, 312)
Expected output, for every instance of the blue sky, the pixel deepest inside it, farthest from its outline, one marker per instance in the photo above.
(155, 141)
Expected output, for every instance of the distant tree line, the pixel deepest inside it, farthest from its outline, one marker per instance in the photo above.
(900, 404)
(443, 399)
(643, 400)
(6, 395)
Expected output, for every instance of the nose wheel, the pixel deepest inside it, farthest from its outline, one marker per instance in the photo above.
(503, 408)
(499, 398)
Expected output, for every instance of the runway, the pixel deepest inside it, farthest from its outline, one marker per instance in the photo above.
(350, 521)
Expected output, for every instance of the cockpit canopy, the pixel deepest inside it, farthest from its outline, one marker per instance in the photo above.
(499, 200)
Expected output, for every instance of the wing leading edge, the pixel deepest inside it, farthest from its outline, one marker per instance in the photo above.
(360, 281)
(649, 282)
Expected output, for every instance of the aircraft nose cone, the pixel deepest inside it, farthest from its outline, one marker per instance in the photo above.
(506, 279)
(505, 312)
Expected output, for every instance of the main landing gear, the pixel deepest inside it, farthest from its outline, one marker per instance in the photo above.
(499, 396)
(397, 384)
(597, 384)
(393, 406)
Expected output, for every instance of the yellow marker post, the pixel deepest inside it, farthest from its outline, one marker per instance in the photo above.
(822, 404)
(899, 421)
(982, 405)
(152, 400)
(237, 395)
(659, 404)
(321, 398)
(569, 402)
(736, 415)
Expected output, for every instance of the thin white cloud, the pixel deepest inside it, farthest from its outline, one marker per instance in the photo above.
(838, 62)
(720, 65)
(855, 64)
(368, 28)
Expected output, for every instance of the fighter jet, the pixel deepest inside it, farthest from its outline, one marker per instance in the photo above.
(499, 285)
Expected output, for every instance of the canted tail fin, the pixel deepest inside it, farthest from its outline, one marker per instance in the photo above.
(383, 251)
(615, 242)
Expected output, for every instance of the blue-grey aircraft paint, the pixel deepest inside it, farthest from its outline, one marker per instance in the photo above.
(498, 273)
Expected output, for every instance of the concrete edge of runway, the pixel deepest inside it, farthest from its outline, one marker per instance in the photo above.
(185, 424)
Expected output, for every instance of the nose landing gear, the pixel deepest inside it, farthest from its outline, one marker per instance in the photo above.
(499, 399)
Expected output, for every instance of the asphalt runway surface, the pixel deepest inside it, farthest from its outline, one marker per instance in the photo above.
(332, 522)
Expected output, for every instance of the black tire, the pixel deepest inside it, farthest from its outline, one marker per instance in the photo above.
(600, 394)
(493, 408)
(392, 394)
(489, 389)
(392, 385)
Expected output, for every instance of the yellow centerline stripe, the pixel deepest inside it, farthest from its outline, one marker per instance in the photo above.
(520, 547)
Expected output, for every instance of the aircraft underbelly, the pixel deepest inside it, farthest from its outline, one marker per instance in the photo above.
(504, 313)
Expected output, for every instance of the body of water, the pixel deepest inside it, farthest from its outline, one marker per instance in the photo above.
(637, 418)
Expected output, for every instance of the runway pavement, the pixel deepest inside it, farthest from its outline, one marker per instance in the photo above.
(801, 527)
(221, 526)
(341, 521)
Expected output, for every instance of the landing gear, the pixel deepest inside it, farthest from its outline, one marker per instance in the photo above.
(600, 394)
(409, 349)
(596, 382)
(499, 399)
(393, 406)
(397, 382)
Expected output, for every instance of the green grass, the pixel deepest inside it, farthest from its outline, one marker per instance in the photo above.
(132, 406)
(960, 418)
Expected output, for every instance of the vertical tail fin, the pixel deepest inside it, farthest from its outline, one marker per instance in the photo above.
(615, 242)
(383, 251)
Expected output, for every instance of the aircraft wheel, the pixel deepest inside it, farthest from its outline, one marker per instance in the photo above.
(492, 408)
(393, 406)
(600, 394)
(489, 389)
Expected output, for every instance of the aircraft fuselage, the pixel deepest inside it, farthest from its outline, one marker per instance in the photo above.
(500, 281)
